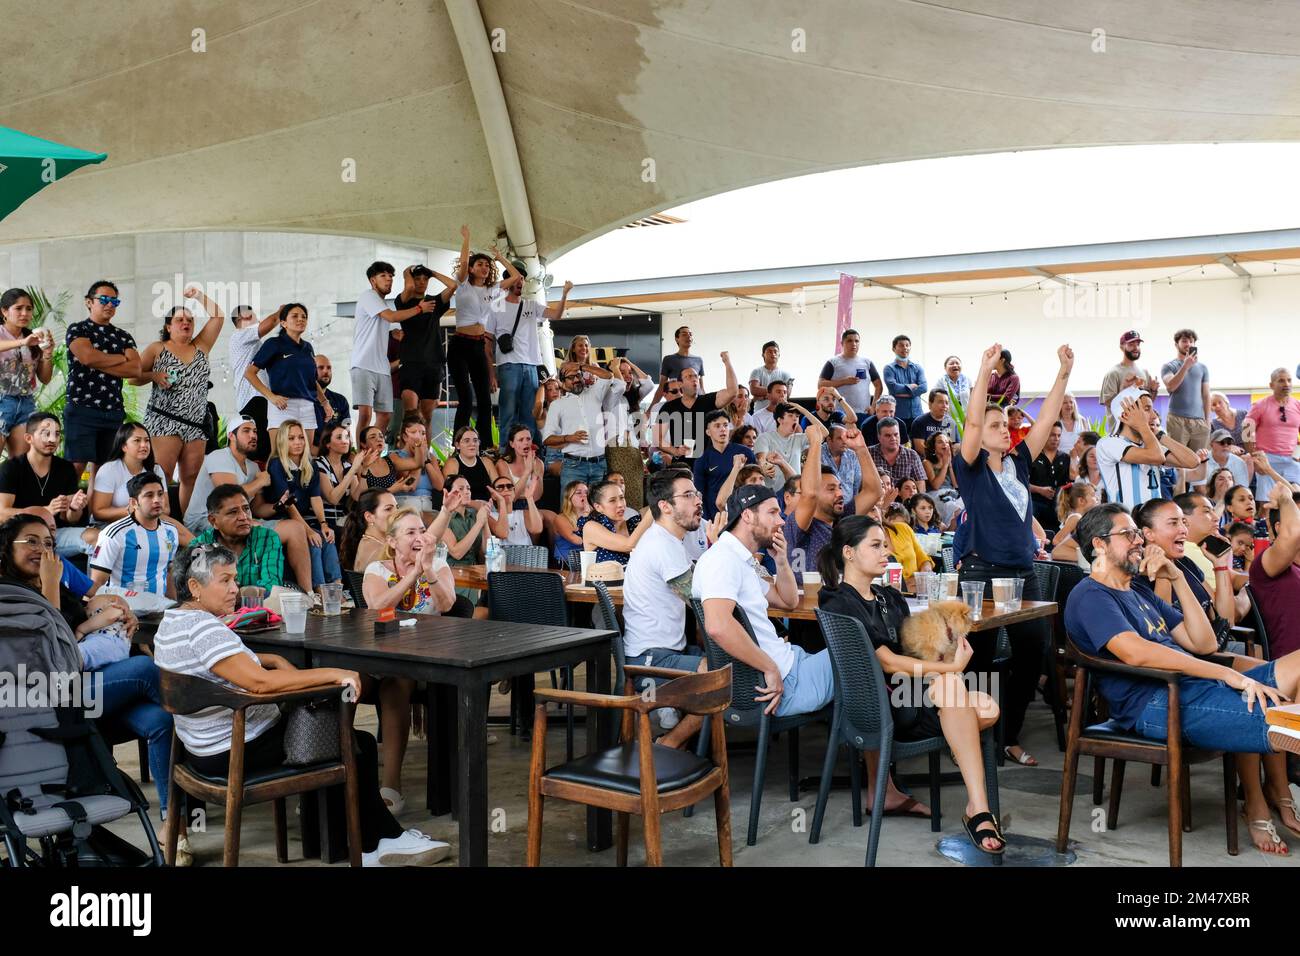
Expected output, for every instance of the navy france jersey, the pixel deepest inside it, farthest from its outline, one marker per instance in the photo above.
(134, 557)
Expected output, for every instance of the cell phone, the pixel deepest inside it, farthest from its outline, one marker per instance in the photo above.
(1192, 350)
(1216, 546)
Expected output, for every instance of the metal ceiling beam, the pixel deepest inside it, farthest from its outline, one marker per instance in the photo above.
(1231, 263)
(1044, 274)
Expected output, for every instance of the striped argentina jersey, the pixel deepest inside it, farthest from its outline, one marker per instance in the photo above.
(1127, 483)
(134, 557)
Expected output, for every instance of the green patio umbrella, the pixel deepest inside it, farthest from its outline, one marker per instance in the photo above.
(28, 165)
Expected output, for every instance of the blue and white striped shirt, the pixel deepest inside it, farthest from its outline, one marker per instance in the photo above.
(134, 557)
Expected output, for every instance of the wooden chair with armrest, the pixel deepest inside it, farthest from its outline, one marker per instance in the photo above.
(616, 779)
(184, 694)
(1106, 740)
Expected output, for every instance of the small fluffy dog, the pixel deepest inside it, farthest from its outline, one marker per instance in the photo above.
(933, 634)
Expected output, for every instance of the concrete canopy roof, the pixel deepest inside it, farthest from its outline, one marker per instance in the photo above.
(253, 134)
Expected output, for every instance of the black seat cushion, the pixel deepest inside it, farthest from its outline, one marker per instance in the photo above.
(264, 776)
(620, 769)
(1112, 733)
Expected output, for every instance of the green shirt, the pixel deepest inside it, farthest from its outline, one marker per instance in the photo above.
(261, 563)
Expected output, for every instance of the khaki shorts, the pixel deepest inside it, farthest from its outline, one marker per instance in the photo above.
(1192, 432)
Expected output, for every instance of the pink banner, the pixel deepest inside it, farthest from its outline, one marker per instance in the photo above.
(844, 310)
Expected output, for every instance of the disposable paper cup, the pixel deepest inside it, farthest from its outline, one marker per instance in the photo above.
(587, 559)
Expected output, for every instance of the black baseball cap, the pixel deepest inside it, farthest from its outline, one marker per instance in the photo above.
(744, 498)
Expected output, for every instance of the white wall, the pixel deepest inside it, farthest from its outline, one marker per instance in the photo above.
(318, 271)
(1240, 343)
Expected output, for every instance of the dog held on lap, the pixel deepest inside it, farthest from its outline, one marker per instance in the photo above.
(935, 633)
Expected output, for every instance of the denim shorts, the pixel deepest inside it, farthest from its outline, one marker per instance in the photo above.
(809, 684)
(667, 657)
(1214, 716)
(14, 411)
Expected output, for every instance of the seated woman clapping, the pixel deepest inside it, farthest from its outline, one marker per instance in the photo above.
(193, 639)
(409, 575)
(857, 553)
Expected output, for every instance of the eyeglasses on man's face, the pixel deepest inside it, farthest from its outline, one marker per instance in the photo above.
(1132, 535)
(692, 495)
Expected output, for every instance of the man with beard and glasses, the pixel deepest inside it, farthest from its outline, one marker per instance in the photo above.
(1126, 374)
(656, 585)
(727, 577)
(134, 552)
(575, 423)
(1220, 707)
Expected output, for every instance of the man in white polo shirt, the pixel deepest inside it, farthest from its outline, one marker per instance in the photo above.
(372, 379)
(794, 681)
(1130, 461)
(656, 584)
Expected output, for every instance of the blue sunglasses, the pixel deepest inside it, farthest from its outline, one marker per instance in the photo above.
(108, 300)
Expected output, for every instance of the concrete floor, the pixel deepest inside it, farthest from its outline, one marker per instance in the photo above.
(1030, 798)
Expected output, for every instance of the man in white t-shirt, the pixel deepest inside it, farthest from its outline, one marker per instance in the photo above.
(656, 585)
(1130, 461)
(779, 452)
(243, 344)
(372, 380)
(794, 681)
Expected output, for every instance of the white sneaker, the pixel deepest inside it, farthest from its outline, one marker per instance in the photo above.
(412, 848)
(668, 717)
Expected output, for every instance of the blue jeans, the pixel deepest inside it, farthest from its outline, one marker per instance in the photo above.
(588, 472)
(1214, 716)
(68, 543)
(325, 567)
(667, 657)
(14, 410)
(517, 382)
(809, 685)
(131, 695)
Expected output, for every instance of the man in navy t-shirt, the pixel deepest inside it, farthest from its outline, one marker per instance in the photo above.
(1220, 708)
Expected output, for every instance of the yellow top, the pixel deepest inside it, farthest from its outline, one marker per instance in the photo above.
(907, 549)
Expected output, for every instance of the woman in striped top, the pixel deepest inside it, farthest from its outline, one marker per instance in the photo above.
(338, 477)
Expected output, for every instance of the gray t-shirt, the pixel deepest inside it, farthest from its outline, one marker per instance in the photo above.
(673, 365)
(193, 642)
(858, 395)
(766, 378)
(1186, 399)
(220, 461)
(791, 448)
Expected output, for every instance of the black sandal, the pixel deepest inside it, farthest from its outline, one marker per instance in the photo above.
(978, 833)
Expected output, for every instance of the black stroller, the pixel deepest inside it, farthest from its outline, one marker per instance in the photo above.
(59, 786)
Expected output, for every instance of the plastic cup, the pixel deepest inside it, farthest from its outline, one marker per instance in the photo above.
(294, 609)
(921, 584)
(972, 592)
(332, 598)
(950, 582)
(252, 596)
(1007, 593)
(586, 559)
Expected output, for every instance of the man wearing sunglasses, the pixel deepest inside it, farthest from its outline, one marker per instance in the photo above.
(1221, 707)
(100, 356)
(1277, 423)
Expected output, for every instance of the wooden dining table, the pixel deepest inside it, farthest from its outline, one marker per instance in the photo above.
(991, 619)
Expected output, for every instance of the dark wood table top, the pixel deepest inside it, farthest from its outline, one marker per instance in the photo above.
(445, 641)
(475, 576)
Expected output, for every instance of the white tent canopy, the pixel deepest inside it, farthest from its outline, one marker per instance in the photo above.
(567, 119)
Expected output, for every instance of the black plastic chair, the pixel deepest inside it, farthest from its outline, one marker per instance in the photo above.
(745, 711)
(525, 597)
(354, 580)
(528, 556)
(864, 721)
(604, 617)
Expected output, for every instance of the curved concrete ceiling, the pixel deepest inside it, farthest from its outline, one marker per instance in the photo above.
(254, 133)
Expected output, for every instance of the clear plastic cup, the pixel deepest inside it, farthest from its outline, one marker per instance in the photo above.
(252, 596)
(332, 598)
(1007, 593)
(935, 587)
(294, 610)
(921, 584)
(972, 592)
